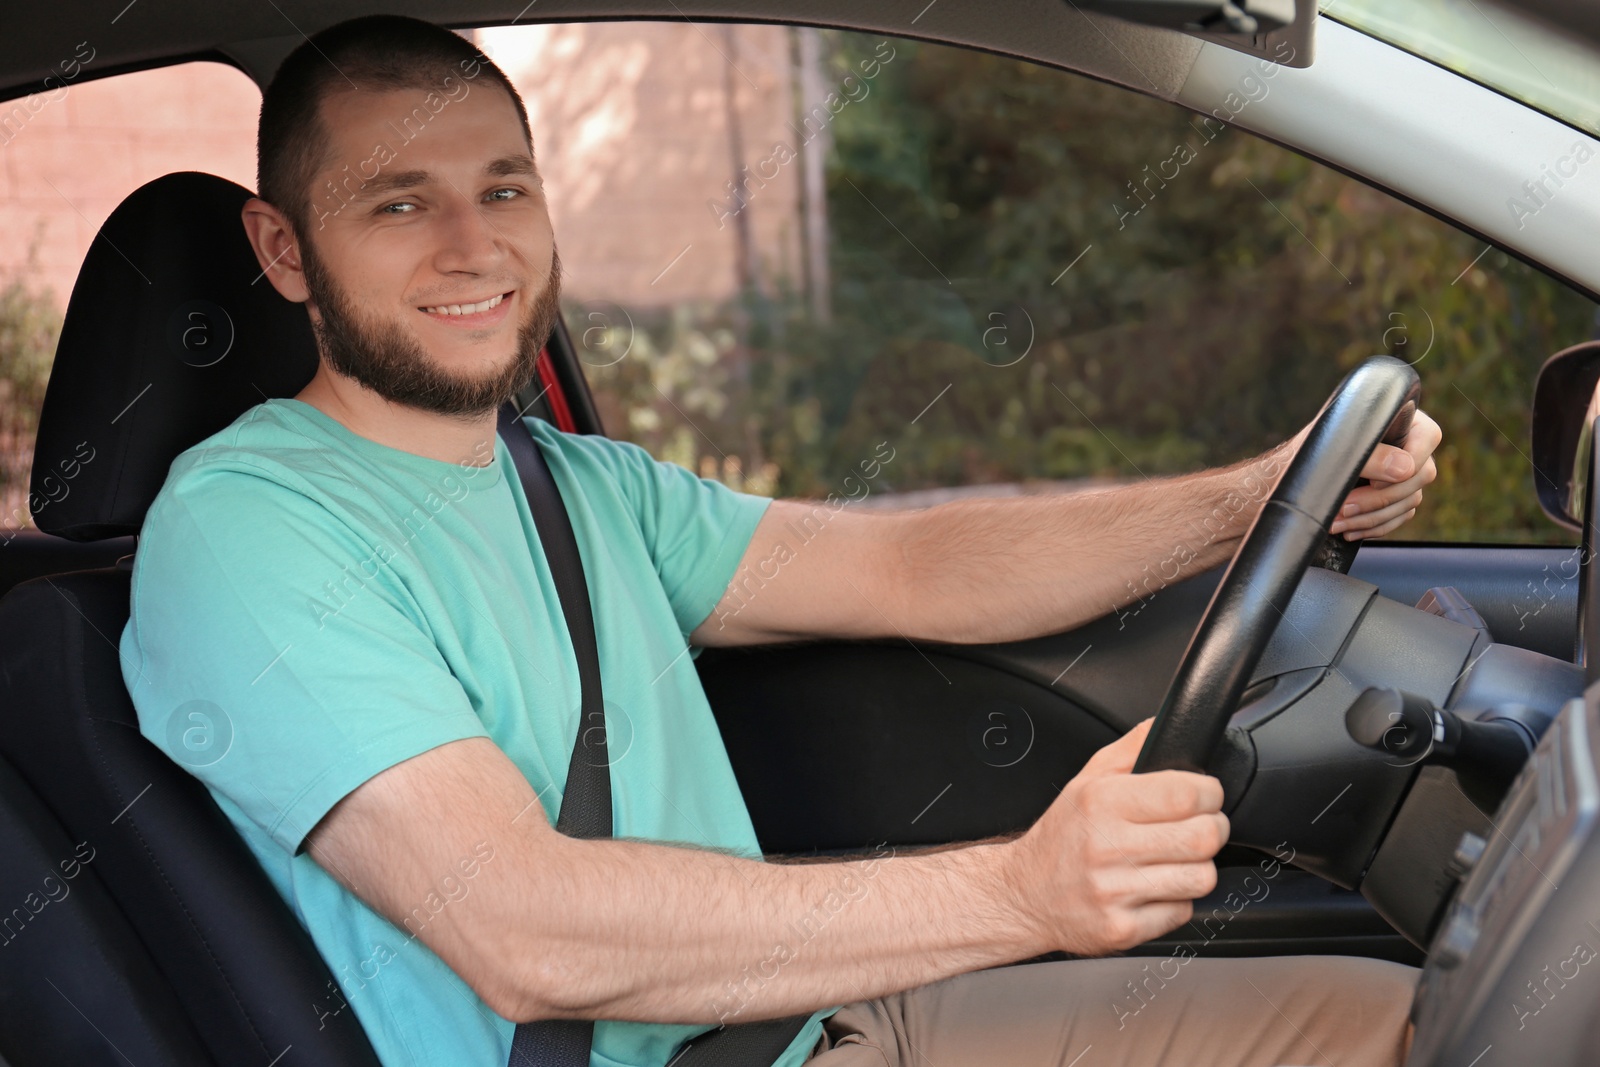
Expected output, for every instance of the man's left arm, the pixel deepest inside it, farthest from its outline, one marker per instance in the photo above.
(978, 571)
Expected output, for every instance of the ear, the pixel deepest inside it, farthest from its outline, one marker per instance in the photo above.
(277, 250)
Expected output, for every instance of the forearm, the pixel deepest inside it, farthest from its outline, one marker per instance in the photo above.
(553, 927)
(1000, 570)
(650, 932)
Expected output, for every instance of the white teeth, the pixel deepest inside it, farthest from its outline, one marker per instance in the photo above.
(466, 309)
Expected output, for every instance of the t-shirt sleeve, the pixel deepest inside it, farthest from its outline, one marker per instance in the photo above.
(696, 529)
(272, 653)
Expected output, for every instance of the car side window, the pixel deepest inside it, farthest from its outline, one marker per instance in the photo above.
(1007, 278)
(69, 154)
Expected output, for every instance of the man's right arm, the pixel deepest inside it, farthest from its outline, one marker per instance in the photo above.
(553, 927)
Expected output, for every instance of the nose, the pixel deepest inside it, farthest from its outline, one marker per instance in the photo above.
(468, 242)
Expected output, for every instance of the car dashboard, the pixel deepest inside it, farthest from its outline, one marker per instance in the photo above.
(1513, 974)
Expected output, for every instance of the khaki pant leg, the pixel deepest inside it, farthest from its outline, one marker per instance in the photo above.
(1260, 1012)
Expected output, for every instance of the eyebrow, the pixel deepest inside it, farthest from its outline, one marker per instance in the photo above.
(507, 166)
(384, 184)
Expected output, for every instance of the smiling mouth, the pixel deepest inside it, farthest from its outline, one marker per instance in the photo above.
(466, 309)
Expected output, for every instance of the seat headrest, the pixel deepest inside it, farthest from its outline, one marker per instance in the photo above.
(172, 332)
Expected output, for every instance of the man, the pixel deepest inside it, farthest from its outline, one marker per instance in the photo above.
(351, 581)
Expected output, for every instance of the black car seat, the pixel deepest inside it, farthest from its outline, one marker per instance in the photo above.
(170, 334)
(168, 946)
(76, 983)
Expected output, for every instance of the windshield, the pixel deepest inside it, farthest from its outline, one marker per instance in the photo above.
(1505, 51)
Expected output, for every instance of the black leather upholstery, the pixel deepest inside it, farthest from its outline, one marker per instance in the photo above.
(174, 938)
(171, 333)
(68, 950)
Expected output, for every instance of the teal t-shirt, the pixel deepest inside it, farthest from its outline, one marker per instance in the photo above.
(311, 607)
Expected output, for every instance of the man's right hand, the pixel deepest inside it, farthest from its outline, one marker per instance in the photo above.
(1119, 858)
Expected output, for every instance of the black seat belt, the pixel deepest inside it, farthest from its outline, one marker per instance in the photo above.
(586, 804)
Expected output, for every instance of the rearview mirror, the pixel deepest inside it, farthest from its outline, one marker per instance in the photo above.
(1565, 406)
(1247, 17)
(1276, 32)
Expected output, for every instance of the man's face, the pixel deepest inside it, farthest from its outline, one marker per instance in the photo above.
(437, 283)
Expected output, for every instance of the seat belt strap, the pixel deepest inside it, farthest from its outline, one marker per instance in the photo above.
(586, 804)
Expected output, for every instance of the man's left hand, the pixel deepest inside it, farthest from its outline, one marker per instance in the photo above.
(1397, 475)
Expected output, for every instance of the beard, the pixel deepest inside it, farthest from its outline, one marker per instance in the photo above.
(388, 359)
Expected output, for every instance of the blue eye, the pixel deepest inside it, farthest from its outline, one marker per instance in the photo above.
(504, 194)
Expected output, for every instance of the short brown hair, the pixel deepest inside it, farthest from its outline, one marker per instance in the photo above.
(373, 53)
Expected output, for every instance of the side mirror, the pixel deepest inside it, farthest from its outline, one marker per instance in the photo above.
(1565, 407)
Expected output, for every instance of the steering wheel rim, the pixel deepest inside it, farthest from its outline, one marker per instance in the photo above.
(1374, 403)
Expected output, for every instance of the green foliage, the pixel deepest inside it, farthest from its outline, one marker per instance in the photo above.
(29, 327)
(1219, 288)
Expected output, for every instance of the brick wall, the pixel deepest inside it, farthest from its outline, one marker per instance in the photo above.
(80, 150)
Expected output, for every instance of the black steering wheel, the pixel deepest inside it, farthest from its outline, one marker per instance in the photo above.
(1374, 403)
